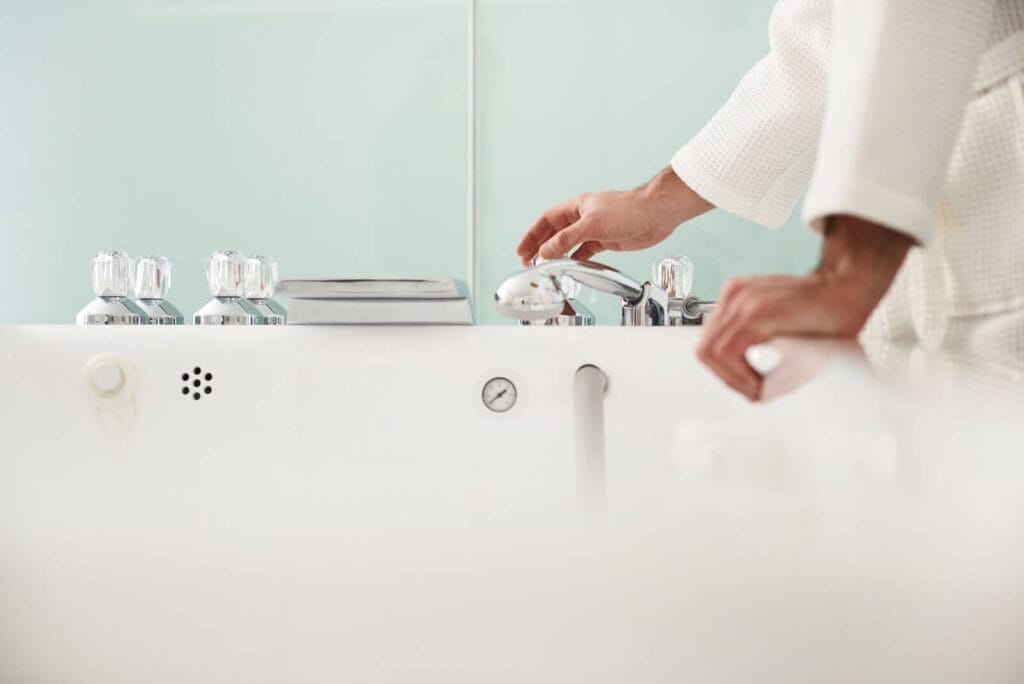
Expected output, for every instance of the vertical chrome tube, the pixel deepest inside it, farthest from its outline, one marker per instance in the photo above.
(591, 384)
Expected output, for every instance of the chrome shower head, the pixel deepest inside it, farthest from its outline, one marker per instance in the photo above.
(535, 294)
(531, 295)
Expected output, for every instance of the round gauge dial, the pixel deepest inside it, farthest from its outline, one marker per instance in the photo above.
(499, 394)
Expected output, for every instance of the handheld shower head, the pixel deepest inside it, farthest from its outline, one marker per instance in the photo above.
(535, 294)
(531, 295)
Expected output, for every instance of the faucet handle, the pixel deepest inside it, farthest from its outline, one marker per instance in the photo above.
(569, 287)
(674, 275)
(225, 273)
(152, 277)
(261, 276)
(111, 273)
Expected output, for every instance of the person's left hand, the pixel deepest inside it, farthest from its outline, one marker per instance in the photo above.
(859, 263)
(754, 310)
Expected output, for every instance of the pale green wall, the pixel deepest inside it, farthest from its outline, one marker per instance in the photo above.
(332, 134)
(585, 95)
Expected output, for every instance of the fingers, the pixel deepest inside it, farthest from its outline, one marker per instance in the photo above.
(735, 325)
(729, 355)
(758, 309)
(587, 250)
(550, 222)
(734, 371)
(563, 241)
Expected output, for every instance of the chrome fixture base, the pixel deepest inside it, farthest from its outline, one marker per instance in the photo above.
(693, 310)
(160, 312)
(111, 311)
(687, 311)
(574, 313)
(227, 311)
(675, 313)
(272, 312)
(651, 308)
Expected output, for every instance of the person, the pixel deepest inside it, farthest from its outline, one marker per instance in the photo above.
(904, 122)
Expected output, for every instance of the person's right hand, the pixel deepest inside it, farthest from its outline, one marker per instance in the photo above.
(617, 221)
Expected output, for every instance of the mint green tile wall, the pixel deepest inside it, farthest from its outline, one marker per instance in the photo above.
(330, 134)
(580, 95)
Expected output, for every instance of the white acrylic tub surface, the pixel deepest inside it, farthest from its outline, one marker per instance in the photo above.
(341, 508)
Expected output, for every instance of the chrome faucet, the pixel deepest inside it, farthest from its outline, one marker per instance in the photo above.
(674, 275)
(111, 280)
(260, 279)
(227, 306)
(151, 283)
(573, 313)
(536, 294)
(693, 310)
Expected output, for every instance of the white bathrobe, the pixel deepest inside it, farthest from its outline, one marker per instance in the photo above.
(909, 113)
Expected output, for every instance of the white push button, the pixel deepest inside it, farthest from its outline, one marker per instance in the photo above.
(763, 358)
(107, 377)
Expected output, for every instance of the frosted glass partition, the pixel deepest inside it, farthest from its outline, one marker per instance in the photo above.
(334, 135)
(330, 134)
(579, 95)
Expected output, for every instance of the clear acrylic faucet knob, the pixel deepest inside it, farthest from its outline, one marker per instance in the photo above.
(674, 275)
(260, 277)
(569, 287)
(225, 272)
(152, 277)
(111, 274)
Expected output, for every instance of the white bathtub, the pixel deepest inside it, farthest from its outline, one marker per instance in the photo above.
(341, 507)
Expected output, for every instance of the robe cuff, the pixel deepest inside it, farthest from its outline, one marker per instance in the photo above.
(861, 197)
(770, 209)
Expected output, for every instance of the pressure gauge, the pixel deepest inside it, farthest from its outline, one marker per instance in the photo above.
(499, 394)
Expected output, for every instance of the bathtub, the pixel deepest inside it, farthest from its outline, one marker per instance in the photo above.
(293, 505)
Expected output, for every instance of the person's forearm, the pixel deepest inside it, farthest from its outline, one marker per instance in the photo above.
(856, 249)
(862, 259)
(676, 201)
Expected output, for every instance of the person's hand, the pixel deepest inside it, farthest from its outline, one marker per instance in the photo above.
(859, 262)
(618, 221)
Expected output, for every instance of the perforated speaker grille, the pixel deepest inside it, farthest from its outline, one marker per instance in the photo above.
(196, 383)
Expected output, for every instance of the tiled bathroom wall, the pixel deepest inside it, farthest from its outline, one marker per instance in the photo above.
(336, 135)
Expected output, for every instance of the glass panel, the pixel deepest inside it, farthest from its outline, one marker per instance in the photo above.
(328, 134)
(579, 95)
